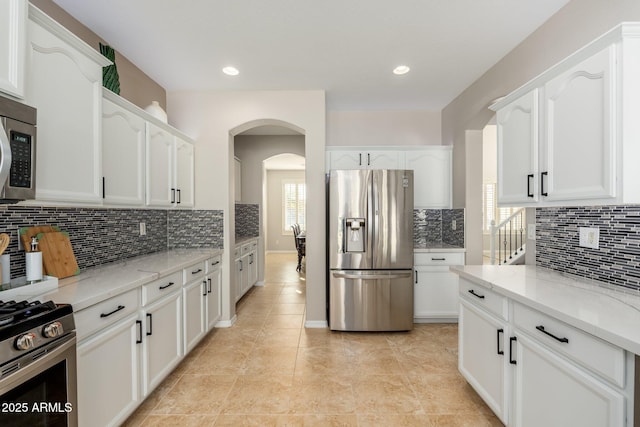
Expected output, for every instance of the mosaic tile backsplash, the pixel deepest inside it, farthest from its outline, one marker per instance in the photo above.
(247, 220)
(100, 236)
(432, 228)
(617, 261)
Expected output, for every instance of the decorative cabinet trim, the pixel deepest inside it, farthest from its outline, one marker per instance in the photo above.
(14, 32)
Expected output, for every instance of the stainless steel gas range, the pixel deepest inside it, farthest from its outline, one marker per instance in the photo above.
(37, 364)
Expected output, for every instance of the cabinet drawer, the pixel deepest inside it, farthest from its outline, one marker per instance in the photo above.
(237, 253)
(194, 271)
(593, 353)
(105, 313)
(163, 286)
(248, 247)
(214, 263)
(438, 258)
(483, 297)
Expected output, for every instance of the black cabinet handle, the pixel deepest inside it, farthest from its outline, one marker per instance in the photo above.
(541, 329)
(103, 187)
(139, 323)
(120, 307)
(179, 197)
(166, 286)
(511, 341)
(529, 190)
(197, 271)
(500, 332)
(215, 263)
(368, 159)
(472, 292)
(209, 290)
(173, 195)
(416, 276)
(150, 324)
(438, 259)
(542, 175)
(204, 288)
(359, 159)
(240, 265)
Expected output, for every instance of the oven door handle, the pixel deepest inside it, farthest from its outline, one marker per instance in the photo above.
(5, 156)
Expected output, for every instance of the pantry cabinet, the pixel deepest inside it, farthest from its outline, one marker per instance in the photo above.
(13, 29)
(123, 154)
(64, 82)
(568, 137)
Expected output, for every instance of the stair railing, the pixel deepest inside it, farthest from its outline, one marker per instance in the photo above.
(508, 236)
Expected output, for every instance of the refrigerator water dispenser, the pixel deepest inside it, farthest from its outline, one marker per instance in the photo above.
(354, 234)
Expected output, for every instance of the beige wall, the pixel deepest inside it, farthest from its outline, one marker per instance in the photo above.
(135, 85)
(213, 118)
(355, 128)
(276, 238)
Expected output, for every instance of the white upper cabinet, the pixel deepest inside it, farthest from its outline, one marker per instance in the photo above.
(578, 162)
(431, 176)
(569, 137)
(185, 171)
(517, 125)
(123, 153)
(160, 167)
(13, 25)
(64, 82)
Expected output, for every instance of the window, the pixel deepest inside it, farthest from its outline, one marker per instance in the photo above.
(293, 204)
(491, 211)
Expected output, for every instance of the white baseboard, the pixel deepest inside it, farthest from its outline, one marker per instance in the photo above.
(435, 320)
(281, 252)
(261, 283)
(227, 323)
(316, 324)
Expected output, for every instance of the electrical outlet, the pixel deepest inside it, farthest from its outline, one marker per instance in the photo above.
(453, 224)
(143, 229)
(531, 232)
(590, 237)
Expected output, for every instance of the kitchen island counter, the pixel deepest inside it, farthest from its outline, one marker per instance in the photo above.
(600, 309)
(97, 284)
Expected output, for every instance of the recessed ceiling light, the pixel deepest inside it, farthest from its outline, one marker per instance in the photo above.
(401, 69)
(230, 71)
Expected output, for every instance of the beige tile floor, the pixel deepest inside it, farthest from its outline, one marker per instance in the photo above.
(268, 370)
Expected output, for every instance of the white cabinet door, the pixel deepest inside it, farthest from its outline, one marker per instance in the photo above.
(253, 269)
(347, 160)
(431, 177)
(123, 140)
(108, 375)
(163, 348)
(481, 356)
(185, 172)
(65, 85)
(579, 160)
(194, 311)
(551, 392)
(13, 28)
(214, 303)
(517, 127)
(382, 159)
(241, 276)
(160, 167)
(435, 293)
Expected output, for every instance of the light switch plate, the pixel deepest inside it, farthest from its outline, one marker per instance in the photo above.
(453, 224)
(531, 232)
(590, 237)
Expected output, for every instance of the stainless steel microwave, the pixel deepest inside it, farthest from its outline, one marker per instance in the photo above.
(17, 151)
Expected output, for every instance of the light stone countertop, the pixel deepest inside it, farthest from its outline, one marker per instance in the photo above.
(440, 248)
(244, 239)
(605, 311)
(97, 284)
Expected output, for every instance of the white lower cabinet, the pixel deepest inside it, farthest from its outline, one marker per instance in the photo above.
(194, 295)
(213, 300)
(484, 366)
(108, 374)
(162, 341)
(551, 391)
(534, 370)
(435, 291)
(246, 267)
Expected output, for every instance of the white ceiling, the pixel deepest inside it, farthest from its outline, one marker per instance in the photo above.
(346, 47)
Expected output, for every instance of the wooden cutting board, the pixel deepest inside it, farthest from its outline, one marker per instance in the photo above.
(57, 254)
(26, 233)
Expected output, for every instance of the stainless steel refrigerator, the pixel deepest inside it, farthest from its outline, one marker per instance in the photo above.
(370, 250)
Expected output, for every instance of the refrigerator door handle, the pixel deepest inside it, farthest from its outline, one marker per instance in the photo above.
(371, 276)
